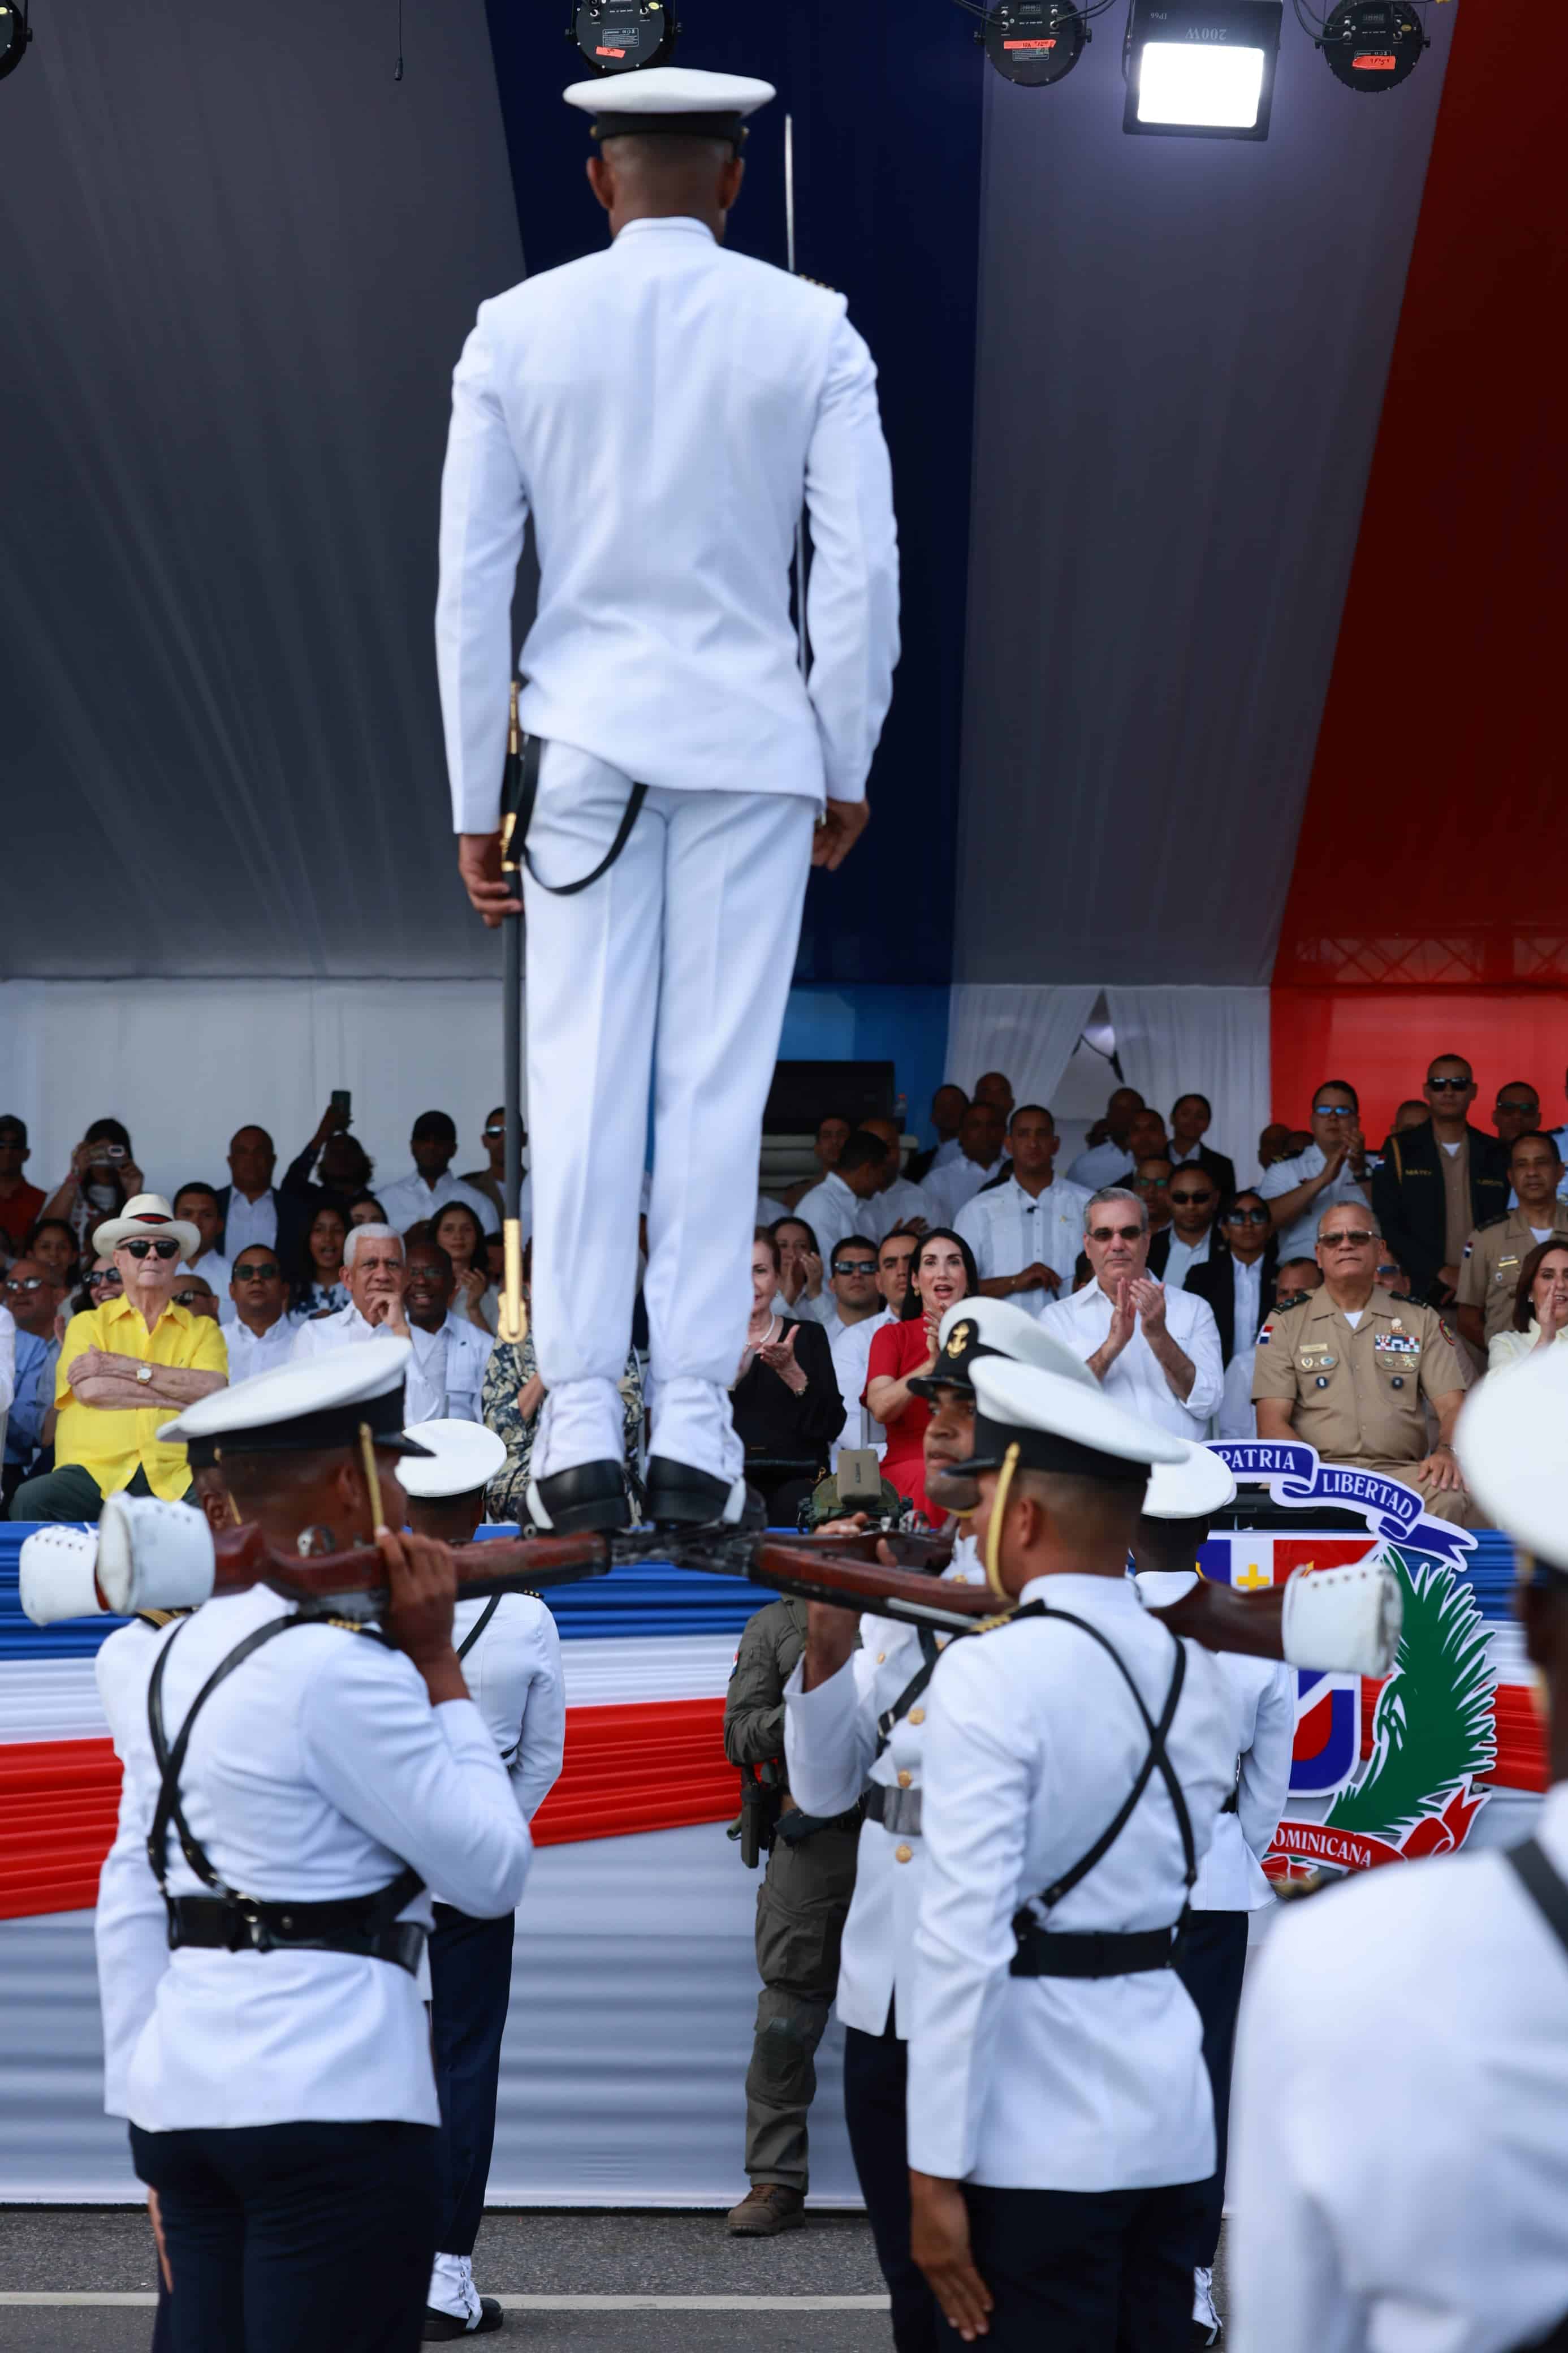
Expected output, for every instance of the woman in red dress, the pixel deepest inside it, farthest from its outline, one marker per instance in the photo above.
(944, 1270)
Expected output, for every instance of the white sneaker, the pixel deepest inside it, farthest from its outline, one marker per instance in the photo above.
(1207, 2326)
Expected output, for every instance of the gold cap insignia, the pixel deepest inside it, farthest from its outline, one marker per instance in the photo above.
(962, 1335)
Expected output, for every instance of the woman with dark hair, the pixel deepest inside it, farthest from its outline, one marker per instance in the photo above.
(944, 1271)
(799, 1291)
(339, 1162)
(100, 1282)
(323, 1290)
(785, 1399)
(53, 1243)
(458, 1230)
(365, 1209)
(1540, 1307)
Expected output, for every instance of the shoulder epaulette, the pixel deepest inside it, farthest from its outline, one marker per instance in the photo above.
(1298, 1299)
(1500, 1219)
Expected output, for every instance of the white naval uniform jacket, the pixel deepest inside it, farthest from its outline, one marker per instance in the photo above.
(515, 1679)
(1397, 2123)
(1032, 1743)
(657, 408)
(317, 1770)
(1008, 1228)
(830, 1742)
(1263, 1694)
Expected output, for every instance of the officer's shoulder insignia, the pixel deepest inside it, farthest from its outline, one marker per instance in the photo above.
(959, 1339)
(1285, 1307)
(1488, 1223)
(818, 282)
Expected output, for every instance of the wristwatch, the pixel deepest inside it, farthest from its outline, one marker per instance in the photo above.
(144, 1372)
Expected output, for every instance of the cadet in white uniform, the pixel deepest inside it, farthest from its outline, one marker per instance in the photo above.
(1060, 2122)
(276, 2063)
(1402, 2072)
(1178, 1510)
(854, 1728)
(511, 1657)
(663, 410)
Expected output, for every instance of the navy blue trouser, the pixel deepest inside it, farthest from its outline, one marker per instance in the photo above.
(876, 2069)
(1210, 1961)
(300, 2238)
(1084, 2270)
(471, 1986)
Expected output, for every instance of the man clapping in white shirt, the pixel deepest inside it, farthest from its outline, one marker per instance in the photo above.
(1155, 1351)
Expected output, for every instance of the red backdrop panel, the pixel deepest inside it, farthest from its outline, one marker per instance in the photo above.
(1435, 838)
(1381, 1040)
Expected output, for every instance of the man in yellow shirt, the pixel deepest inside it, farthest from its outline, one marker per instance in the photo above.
(125, 1368)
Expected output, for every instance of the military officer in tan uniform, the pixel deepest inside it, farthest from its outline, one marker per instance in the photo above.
(1350, 1369)
(1488, 1272)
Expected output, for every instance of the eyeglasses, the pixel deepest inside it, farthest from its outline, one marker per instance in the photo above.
(853, 1266)
(187, 1298)
(1449, 1086)
(1333, 1110)
(1186, 1199)
(1356, 1237)
(253, 1273)
(1114, 1233)
(23, 1283)
(138, 1247)
(1244, 1216)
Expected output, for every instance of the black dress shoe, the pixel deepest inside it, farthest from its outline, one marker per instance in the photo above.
(590, 1495)
(441, 2326)
(679, 1497)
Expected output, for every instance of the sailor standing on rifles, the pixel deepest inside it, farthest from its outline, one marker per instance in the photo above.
(663, 410)
(275, 2062)
(855, 1732)
(1060, 2124)
(1402, 2071)
(510, 1656)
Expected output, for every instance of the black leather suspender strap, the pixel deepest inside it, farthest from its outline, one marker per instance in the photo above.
(891, 1717)
(1043, 1953)
(478, 1627)
(532, 747)
(228, 1921)
(1542, 1884)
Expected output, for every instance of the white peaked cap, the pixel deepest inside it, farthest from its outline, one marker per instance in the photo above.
(299, 1408)
(1512, 1444)
(1189, 1490)
(669, 90)
(1059, 1424)
(460, 1457)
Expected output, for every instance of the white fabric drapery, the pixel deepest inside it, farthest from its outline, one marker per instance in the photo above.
(1207, 1041)
(186, 1062)
(1029, 1033)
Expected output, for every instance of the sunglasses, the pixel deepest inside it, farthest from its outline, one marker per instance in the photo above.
(1333, 1110)
(853, 1266)
(1449, 1086)
(23, 1283)
(110, 1276)
(1152, 1184)
(139, 1248)
(490, 1133)
(1186, 1199)
(1244, 1216)
(1354, 1237)
(188, 1298)
(263, 1274)
(1392, 1272)
(1114, 1233)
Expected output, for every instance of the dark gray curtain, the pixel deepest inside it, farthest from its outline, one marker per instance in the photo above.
(1182, 353)
(240, 260)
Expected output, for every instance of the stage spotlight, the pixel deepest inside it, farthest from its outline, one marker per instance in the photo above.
(1371, 44)
(1196, 72)
(14, 35)
(620, 35)
(1034, 42)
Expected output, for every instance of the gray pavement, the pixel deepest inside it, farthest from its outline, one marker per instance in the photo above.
(53, 2250)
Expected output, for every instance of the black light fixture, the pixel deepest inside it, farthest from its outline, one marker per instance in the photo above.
(622, 36)
(1034, 42)
(1370, 45)
(14, 35)
(1201, 72)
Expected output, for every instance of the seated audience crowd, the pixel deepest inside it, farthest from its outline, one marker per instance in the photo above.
(1349, 1296)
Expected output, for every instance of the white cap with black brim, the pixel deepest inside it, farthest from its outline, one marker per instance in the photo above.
(671, 101)
(458, 1458)
(1511, 1439)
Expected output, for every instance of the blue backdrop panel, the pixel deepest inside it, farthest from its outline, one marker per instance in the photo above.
(886, 108)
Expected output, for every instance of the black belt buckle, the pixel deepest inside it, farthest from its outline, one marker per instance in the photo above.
(248, 1931)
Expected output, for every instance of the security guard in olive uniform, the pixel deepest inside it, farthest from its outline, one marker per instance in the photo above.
(1488, 1272)
(1350, 1369)
(800, 1908)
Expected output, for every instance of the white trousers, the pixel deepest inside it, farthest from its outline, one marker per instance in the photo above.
(668, 976)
